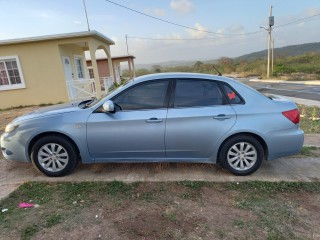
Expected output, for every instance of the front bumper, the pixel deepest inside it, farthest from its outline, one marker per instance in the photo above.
(13, 148)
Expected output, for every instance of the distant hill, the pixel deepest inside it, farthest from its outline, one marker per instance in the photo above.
(287, 51)
(165, 64)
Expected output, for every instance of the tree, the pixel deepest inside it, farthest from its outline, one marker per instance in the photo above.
(197, 65)
(142, 71)
(227, 64)
(156, 68)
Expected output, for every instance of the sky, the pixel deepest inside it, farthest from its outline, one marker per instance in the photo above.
(231, 19)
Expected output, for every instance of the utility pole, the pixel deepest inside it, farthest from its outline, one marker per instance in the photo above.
(271, 23)
(85, 9)
(272, 58)
(127, 44)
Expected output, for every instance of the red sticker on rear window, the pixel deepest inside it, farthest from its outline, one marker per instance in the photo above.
(231, 95)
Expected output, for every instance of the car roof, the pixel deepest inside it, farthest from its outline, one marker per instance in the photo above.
(158, 76)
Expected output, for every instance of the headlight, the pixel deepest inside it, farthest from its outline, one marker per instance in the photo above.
(11, 127)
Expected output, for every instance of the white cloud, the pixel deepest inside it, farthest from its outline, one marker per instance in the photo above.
(159, 12)
(312, 11)
(115, 39)
(77, 22)
(182, 6)
(198, 34)
(44, 15)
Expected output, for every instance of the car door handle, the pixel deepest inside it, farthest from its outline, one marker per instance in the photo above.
(222, 116)
(154, 120)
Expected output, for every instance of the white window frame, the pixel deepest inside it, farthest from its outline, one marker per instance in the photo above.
(13, 86)
(75, 57)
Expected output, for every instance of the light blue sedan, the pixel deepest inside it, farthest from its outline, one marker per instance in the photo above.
(171, 117)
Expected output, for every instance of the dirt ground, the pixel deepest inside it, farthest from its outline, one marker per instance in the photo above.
(8, 115)
(178, 210)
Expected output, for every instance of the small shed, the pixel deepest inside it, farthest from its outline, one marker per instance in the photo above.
(103, 68)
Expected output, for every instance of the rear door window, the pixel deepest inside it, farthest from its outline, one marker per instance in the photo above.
(197, 93)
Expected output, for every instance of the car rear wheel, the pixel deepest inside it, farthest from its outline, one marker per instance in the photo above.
(241, 155)
(54, 156)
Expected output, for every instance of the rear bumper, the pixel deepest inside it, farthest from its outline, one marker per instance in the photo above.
(284, 143)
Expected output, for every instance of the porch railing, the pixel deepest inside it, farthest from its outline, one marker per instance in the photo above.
(81, 89)
(106, 83)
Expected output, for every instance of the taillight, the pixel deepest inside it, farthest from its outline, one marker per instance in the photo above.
(293, 115)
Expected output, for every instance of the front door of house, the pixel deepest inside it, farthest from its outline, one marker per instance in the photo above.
(69, 75)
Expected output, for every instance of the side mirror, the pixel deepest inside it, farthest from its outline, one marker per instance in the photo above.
(108, 106)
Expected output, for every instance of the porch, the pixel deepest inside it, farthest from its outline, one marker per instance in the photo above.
(81, 82)
(103, 67)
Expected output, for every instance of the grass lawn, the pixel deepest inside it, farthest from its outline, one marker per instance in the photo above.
(308, 151)
(308, 125)
(176, 210)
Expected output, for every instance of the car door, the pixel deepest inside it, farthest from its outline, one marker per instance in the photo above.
(135, 132)
(198, 117)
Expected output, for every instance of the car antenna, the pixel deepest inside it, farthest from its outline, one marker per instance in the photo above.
(219, 73)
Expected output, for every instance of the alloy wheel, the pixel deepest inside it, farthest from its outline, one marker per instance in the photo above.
(242, 156)
(53, 157)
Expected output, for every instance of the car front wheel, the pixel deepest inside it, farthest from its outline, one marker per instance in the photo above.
(55, 156)
(241, 155)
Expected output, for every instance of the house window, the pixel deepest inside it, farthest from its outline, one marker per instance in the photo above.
(10, 73)
(79, 67)
(91, 74)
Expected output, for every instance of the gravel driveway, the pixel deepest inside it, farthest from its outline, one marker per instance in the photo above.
(12, 174)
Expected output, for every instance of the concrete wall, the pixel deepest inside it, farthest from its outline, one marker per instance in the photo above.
(103, 67)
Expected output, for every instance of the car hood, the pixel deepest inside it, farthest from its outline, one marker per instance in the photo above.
(51, 110)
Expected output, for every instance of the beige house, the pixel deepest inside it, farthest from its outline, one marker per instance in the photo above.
(50, 69)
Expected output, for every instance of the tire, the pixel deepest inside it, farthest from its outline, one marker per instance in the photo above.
(55, 156)
(241, 155)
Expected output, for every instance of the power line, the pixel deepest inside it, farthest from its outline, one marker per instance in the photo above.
(175, 39)
(180, 25)
(181, 39)
(296, 21)
(202, 39)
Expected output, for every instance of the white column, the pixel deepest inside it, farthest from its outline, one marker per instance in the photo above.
(133, 69)
(95, 71)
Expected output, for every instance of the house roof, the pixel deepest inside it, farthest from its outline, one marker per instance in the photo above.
(117, 57)
(93, 33)
(114, 58)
